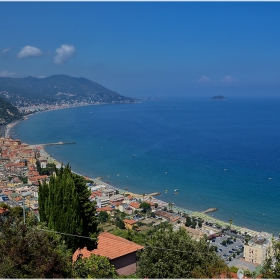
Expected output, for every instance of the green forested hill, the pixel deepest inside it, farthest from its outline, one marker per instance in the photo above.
(8, 112)
(56, 89)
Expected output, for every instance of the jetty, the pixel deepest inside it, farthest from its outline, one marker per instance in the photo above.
(56, 143)
(210, 210)
(154, 194)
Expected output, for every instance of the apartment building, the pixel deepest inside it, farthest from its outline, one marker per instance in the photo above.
(258, 248)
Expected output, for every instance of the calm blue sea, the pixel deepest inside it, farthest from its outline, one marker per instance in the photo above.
(216, 153)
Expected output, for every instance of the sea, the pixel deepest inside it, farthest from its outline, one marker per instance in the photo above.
(217, 153)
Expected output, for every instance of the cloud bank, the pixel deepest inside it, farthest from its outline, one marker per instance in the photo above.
(5, 73)
(64, 53)
(203, 79)
(227, 80)
(28, 51)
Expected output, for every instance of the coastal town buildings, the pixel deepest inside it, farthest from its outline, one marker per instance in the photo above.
(258, 248)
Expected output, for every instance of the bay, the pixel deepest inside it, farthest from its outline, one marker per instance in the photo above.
(216, 153)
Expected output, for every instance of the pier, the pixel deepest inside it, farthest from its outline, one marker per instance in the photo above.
(210, 210)
(59, 143)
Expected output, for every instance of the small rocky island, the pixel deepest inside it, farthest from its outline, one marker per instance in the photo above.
(218, 97)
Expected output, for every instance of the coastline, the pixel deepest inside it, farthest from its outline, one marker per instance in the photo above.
(161, 203)
(147, 197)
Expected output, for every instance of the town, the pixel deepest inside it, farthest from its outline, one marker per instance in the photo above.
(21, 167)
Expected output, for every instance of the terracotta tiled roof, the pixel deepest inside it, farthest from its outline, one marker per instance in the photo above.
(110, 246)
(130, 222)
(2, 210)
(96, 193)
(106, 208)
(173, 219)
(116, 203)
(135, 205)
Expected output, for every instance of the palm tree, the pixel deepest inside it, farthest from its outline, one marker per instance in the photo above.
(230, 223)
(170, 205)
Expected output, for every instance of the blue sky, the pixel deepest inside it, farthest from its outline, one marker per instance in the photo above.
(147, 48)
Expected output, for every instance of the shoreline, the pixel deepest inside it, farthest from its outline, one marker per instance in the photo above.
(149, 197)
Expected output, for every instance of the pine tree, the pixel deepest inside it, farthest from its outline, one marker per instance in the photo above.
(64, 206)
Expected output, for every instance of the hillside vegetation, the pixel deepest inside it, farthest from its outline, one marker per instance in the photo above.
(56, 89)
(8, 112)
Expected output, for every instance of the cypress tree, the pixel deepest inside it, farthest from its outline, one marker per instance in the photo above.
(65, 207)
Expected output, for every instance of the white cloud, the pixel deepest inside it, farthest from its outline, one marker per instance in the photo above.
(29, 51)
(5, 53)
(204, 79)
(6, 50)
(64, 53)
(5, 73)
(228, 80)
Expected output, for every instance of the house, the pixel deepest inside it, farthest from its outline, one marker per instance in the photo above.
(116, 204)
(134, 206)
(129, 223)
(120, 252)
(107, 209)
(123, 206)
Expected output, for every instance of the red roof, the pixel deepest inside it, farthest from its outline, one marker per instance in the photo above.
(110, 246)
(116, 203)
(2, 210)
(106, 208)
(130, 222)
(135, 205)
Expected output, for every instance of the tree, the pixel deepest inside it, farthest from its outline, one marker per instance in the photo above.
(271, 266)
(173, 254)
(38, 165)
(170, 205)
(188, 221)
(64, 206)
(16, 212)
(120, 223)
(32, 252)
(103, 216)
(145, 206)
(94, 267)
(153, 215)
(230, 223)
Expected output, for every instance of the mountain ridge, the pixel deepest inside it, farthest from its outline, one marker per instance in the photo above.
(56, 89)
(8, 112)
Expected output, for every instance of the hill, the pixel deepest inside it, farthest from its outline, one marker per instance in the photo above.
(56, 89)
(218, 97)
(8, 112)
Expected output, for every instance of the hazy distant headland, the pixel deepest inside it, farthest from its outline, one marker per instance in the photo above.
(218, 97)
(57, 90)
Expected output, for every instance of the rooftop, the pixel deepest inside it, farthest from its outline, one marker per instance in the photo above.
(110, 246)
